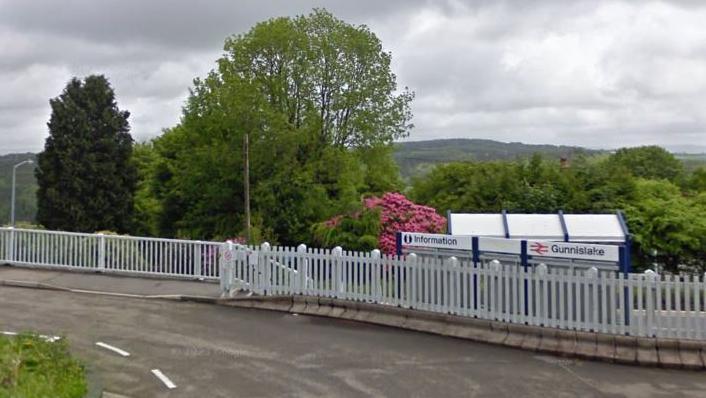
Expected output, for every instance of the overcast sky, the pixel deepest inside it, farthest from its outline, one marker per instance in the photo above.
(591, 73)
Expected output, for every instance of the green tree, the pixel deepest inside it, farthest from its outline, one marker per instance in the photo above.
(599, 186)
(147, 207)
(85, 174)
(649, 162)
(320, 105)
(669, 228)
(697, 180)
(533, 186)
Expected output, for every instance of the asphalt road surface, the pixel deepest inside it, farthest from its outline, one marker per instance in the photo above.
(213, 351)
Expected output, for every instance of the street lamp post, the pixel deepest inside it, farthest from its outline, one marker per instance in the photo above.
(14, 178)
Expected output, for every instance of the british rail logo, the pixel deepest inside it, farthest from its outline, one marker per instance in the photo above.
(539, 248)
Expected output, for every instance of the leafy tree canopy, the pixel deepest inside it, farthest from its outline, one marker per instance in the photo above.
(669, 228)
(534, 186)
(320, 104)
(649, 162)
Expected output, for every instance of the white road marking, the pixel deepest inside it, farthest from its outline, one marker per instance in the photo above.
(163, 378)
(50, 339)
(114, 349)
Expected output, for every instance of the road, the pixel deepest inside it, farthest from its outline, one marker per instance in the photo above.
(215, 351)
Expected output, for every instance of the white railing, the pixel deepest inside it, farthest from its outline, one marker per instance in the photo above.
(110, 253)
(587, 300)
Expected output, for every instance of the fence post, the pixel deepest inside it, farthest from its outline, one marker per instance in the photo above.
(11, 246)
(224, 259)
(377, 270)
(337, 254)
(450, 286)
(540, 307)
(475, 243)
(412, 292)
(101, 252)
(624, 254)
(303, 265)
(264, 262)
(592, 275)
(493, 292)
(651, 277)
(197, 259)
(524, 258)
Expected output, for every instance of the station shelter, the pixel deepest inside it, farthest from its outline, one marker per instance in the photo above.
(574, 241)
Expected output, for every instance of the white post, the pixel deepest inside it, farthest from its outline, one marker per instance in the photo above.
(12, 201)
(592, 275)
(11, 246)
(540, 295)
(338, 288)
(377, 270)
(252, 259)
(303, 265)
(450, 285)
(264, 263)
(197, 259)
(224, 259)
(101, 252)
(651, 277)
(412, 294)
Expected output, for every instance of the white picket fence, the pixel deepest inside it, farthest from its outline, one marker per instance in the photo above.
(110, 253)
(606, 302)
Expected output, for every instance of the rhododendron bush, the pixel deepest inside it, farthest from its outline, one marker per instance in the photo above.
(376, 225)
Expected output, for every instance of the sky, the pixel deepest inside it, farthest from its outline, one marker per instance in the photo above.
(600, 74)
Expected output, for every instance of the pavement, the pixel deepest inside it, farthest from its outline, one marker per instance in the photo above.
(216, 351)
(119, 284)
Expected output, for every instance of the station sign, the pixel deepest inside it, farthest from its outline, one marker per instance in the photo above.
(436, 241)
(578, 251)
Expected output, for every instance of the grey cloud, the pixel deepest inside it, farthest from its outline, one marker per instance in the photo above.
(173, 23)
(594, 73)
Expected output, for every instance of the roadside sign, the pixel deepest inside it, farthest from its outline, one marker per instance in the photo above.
(573, 250)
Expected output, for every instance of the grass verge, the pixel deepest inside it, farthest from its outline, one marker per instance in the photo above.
(31, 367)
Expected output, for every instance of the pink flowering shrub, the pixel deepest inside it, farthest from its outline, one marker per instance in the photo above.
(377, 224)
(401, 214)
(240, 240)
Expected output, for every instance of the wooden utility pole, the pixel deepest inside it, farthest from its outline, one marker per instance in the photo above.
(246, 182)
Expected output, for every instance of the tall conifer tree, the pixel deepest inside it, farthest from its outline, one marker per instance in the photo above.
(85, 173)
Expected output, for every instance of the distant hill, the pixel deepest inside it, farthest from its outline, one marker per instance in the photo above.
(692, 161)
(418, 157)
(414, 158)
(26, 188)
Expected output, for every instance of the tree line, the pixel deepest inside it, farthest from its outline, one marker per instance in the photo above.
(320, 107)
(665, 206)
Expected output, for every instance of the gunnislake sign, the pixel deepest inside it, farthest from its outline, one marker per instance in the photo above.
(573, 250)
